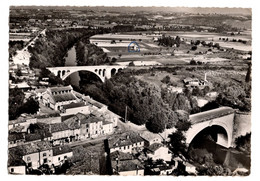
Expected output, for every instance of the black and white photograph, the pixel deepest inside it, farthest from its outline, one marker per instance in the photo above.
(129, 90)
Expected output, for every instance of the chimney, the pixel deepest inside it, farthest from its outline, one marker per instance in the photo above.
(205, 77)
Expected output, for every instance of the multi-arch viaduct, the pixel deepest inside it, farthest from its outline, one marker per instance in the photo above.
(102, 71)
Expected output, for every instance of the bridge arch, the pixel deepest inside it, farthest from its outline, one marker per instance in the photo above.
(222, 139)
(93, 72)
(113, 71)
(217, 132)
(221, 117)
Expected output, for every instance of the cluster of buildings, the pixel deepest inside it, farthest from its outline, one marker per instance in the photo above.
(130, 152)
(76, 118)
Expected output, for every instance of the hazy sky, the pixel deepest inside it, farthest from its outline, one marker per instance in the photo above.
(244, 11)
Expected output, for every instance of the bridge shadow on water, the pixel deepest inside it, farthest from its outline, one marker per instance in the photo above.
(205, 143)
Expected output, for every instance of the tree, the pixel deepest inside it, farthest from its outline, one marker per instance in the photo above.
(172, 119)
(156, 124)
(196, 91)
(248, 74)
(16, 97)
(193, 48)
(30, 106)
(177, 143)
(193, 62)
(166, 79)
(114, 60)
(19, 72)
(131, 63)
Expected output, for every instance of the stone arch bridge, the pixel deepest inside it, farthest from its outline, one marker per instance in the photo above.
(102, 71)
(222, 118)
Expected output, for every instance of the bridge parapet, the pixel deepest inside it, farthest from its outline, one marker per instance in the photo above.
(102, 71)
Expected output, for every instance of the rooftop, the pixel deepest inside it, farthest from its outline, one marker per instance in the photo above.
(30, 148)
(14, 159)
(211, 114)
(61, 150)
(74, 105)
(91, 120)
(147, 135)
(107, 122)
(64, 97)
(58, 89)
(56, 127)
(15, 136)
(127, 165)
(120, 155)
(154, 147)
(32, 137)
(125, 139)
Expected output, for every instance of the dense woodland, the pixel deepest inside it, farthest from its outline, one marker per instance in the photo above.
(146, 104)
(18, 104)
(51, 49)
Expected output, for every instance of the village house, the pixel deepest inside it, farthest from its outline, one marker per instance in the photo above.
(127, 143)
(159, 151)
(34, 154)
(74, 108)
(150, 138)
(162, 170)
(56, 97)
(107, 116)
(15, 164)
(49, 118)
(128, 167)
(60, 154)
(15, 139)
(73, 124)
(195, 82)
(60, 133)
(21, 123)
(90, 127)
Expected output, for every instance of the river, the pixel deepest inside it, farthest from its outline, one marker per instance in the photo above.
(71, 61)
(231, 157)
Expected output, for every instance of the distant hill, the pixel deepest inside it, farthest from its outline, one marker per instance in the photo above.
(239, 24)
(124, 9)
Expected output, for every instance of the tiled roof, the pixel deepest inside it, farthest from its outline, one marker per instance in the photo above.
(33, 147)
(73, 105)
(32, 137)
(93, 102)
(120, 155)
(211, 114)
(57, 89)
(58, 127)
(81, 116)
(14, 159)
(64, 97)
(48, 115)
(91, 120)
(154, 147)
(61, 150)
(126, 139)
(15, 136)
(107, 122)
(72, 123)
(147, 135)
(127, 165)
